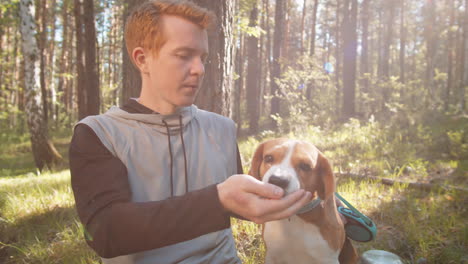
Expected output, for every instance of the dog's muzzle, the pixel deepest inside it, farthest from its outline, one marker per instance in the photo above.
(283, 177)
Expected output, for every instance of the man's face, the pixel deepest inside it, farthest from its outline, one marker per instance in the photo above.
(175, 74)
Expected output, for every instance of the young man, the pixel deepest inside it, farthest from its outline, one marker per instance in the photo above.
(156, 181)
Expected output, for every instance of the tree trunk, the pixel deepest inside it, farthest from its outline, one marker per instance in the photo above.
(402, 41)
(80, 60)
(430, 37)
(313, 28)
(365, 47)
(42, 44)
(280, 13)
(304, 12)
(239, 83)
(1, 47)
(387, 44)
(51, 64)
(253, 72)
(388, 41)
(450, 57)
(218, 82)
(131, 78)
(349, 58)
(88, 76)
(268, 60)
(43, 150)
(287, 32)
(62, 63)
(338, 56)
(464, 82)
(91, 66)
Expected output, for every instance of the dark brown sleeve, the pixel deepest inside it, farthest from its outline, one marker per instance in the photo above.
(118, 226)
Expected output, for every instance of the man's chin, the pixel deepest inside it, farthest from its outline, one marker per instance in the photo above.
(186, 102)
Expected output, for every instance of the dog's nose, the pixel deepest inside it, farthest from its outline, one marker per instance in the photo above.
(279, 181)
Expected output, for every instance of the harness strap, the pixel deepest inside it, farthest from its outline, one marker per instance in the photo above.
(356, 211)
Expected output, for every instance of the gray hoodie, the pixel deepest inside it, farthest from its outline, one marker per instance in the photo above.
(169, 155)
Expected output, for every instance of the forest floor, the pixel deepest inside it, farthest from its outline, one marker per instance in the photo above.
(39, 224)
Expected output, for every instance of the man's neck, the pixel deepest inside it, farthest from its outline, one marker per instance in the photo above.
(163, 109)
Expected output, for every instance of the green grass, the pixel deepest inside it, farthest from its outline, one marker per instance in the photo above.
(38, 222)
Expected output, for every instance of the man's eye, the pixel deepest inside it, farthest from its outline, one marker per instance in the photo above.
(268, 158)
(183, 57)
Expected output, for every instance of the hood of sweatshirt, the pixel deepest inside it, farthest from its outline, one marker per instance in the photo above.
(162, 123)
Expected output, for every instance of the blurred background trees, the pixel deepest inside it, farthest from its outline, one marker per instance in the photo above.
(276, 64)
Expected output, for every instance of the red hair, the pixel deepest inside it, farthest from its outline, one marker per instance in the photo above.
(144, 28)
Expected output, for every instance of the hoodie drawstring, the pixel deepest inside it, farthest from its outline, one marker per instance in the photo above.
(185, 155)
(171, 157)
(170, 154)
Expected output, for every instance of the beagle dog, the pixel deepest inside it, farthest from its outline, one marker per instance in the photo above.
(316, 233)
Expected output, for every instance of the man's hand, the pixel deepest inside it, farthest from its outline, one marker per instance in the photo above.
(258, 201)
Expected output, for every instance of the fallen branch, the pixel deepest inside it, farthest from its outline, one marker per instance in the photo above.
(416, 185)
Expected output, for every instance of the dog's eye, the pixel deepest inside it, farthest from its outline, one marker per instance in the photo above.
(304, 167)
(268, 158)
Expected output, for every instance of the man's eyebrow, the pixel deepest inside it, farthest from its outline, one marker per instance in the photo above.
(187, 49)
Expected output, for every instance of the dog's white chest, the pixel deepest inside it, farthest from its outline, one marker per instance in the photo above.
(296, 241)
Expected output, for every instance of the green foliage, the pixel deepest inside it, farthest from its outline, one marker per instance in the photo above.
(304, 76)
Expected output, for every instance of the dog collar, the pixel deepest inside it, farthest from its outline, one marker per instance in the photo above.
(310, 206)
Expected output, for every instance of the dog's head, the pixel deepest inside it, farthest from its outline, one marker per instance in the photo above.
(293, 165)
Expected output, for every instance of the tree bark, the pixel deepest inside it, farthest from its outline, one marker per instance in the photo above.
(313, 28)
(430, 38)
(349, 58)
(87, 69)
(43, 150)
(131, 78)
(218, 82)
(42, 44)
(402, 41)
(268, 62)
(278, 39)
(338, 57)
(464, 82)
(80, 60)
(50, 77)
(62, 63)
(388, 40)
(91, 66)
(365, 47)
(239, 83)
(450, 53)
(253, 72)
(304, 12)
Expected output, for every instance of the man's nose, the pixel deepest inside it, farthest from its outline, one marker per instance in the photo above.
(198, 67)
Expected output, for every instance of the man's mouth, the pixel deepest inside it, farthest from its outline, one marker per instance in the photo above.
(191, 86)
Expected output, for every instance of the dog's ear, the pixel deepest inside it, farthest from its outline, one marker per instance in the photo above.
(256, 162)
(326, 178)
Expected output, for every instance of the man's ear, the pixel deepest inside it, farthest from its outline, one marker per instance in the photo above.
(326, 178)
(140, 59)
(257, 162)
